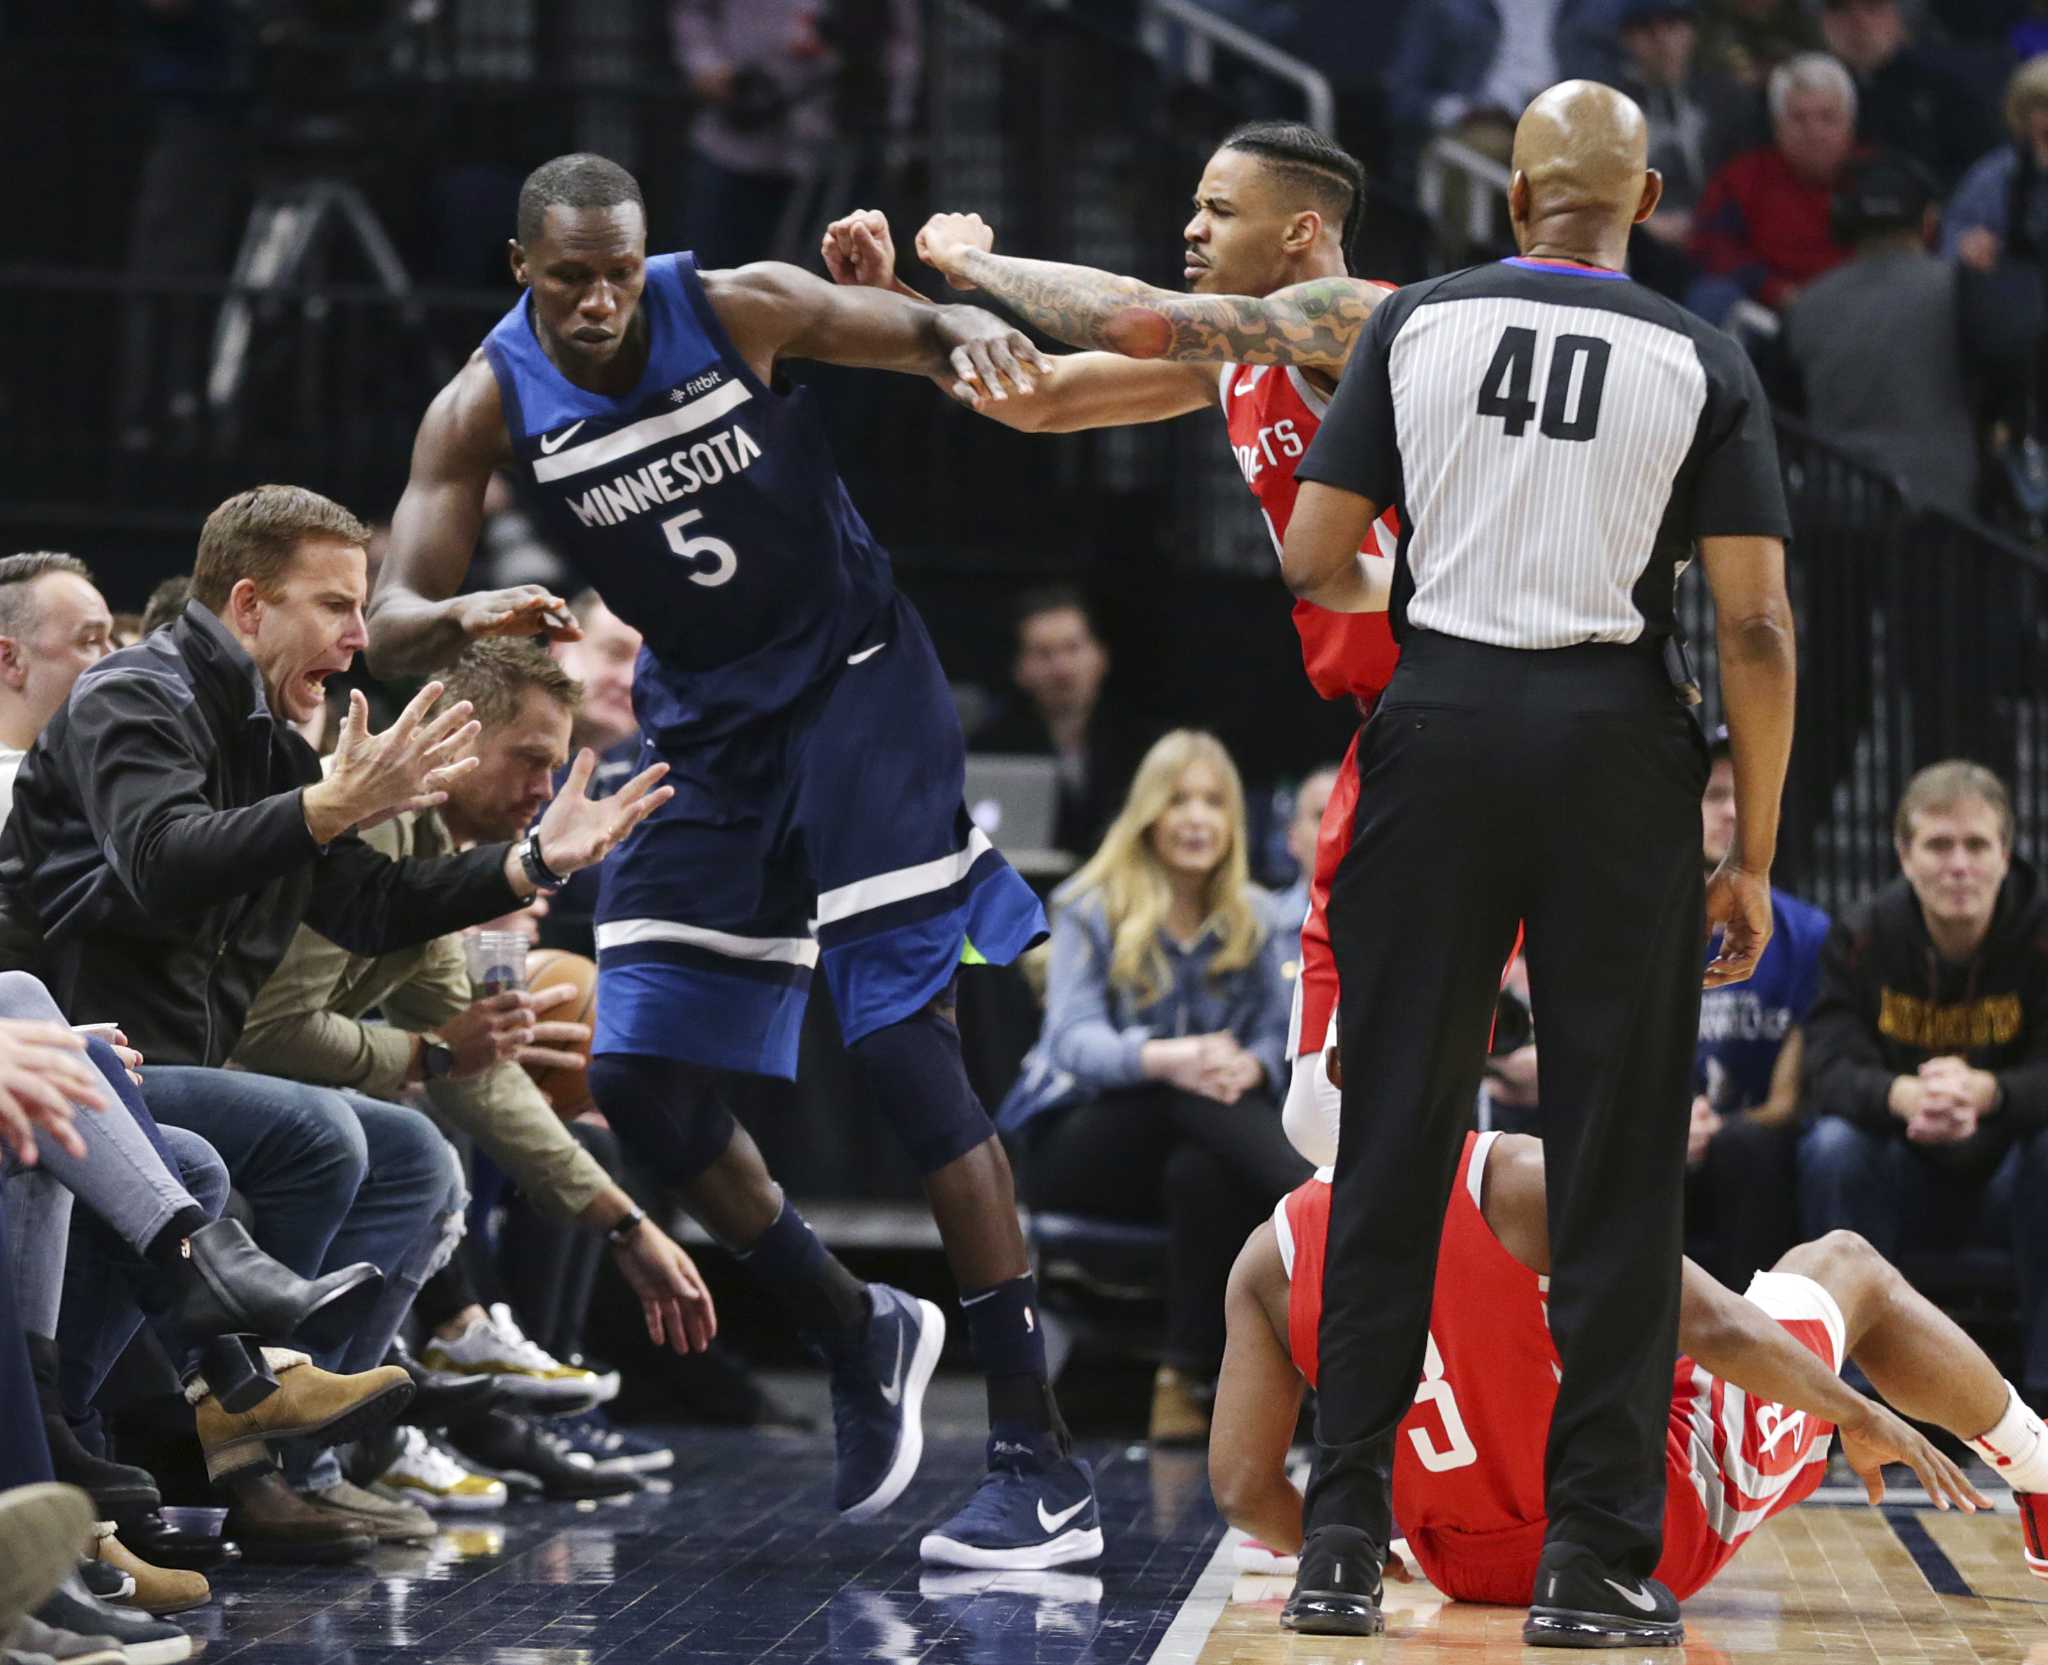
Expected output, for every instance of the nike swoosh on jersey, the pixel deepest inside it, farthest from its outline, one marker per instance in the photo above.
(1052, 1523)
(892, 1394)
(549, 447)
(1250, 379)
(1638, 1598)
(865, 653)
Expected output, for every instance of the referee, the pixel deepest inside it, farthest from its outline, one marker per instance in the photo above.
(1557, 441)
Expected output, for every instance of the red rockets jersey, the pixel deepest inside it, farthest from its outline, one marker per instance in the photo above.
(1469, 1455)
(1272, 414)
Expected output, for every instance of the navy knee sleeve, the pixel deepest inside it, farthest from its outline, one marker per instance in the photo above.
(915, 1071)
(667, 1112)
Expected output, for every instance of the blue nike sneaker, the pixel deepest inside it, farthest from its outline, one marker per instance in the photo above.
(878, 1401)
(1033, 1510)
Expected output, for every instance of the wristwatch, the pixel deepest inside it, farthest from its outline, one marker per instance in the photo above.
(542, 877)
(617, 1234)
(436, 1060)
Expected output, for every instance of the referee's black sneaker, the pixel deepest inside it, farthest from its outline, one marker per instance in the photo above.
(1337, 1590)
(1576, 1604)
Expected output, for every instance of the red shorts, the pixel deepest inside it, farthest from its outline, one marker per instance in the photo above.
(1734, 1461)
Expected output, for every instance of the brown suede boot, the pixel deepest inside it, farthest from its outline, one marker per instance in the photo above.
(308, 1401)
(158, 1590)
(1179, 1417)
(273, 1523)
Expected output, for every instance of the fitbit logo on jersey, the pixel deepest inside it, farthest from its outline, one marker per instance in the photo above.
(665, 480)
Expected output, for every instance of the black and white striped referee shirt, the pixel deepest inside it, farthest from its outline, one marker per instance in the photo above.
(1556, 439)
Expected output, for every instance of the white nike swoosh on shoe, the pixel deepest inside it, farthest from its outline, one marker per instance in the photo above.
(1638, 1598)
(893, 1393)
(548, 448)
(1052, 1523)
(865, 654)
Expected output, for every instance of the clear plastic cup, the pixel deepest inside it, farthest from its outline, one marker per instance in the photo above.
(497, 961)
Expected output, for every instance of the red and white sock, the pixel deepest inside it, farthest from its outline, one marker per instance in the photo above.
(2016, 1447)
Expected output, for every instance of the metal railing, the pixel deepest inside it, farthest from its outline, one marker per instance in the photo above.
(1922, 636)
(1187, 38)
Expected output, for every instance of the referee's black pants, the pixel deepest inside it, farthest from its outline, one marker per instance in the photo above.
(1560, 789)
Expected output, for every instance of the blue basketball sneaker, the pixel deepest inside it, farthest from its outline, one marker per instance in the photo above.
(878, 1388)
(1034, 1509)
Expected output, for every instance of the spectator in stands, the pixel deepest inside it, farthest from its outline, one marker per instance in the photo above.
(1927, 1049)
(1907, 100)
(1468, 68)
(1165, 1002)
(1741, 1198)
(1747, 39)
(1697, 119)
(1060, 667)
(1996, 230)
(465, 1053)
(170, 833)
(1290, 906)
(786, 92)
(601, 661)
(53, 623)
(1907, 410)
(1761, 230)
(166, 602)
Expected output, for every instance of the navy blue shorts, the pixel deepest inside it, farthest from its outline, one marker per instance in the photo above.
(834, 830)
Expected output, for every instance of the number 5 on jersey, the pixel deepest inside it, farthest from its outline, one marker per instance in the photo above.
(1457, 1451)
(724, 563)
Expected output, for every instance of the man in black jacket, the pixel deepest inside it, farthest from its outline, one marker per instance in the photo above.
(171, 831)
(1927, 1049)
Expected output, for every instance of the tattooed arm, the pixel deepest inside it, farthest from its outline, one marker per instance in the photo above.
(1311, 325)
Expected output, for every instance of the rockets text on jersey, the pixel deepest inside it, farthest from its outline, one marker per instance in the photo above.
(1272, 413)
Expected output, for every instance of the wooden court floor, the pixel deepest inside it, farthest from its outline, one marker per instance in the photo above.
(1840, 1583)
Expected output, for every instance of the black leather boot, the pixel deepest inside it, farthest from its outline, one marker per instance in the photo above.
(113, 1485)
(225, 1285)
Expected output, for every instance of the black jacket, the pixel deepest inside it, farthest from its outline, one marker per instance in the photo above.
(1888, 1002)
(159, 840)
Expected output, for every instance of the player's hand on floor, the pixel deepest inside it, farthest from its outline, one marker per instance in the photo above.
(673, 1295)
(523, 610)
(578, 830)
(860, 250)
(1881, 1437)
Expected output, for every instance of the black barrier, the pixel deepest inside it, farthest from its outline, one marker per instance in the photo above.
(1922, 636)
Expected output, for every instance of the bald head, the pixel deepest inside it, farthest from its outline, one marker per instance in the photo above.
(1581, 166)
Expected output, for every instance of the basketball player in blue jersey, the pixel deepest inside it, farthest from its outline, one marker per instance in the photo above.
(817, 765)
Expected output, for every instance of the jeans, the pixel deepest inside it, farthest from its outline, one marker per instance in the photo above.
(99, 1316)
(332, 1178)
(122, 1177)
(1885, 1188)
(24, 1452)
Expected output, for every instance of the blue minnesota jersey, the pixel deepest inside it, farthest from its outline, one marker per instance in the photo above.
(704, 506)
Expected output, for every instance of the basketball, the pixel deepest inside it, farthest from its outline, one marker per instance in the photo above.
(567, 1090)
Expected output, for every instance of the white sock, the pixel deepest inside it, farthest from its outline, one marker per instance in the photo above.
(2017, 1447)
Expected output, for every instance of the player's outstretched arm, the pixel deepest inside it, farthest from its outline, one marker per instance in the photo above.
(1258, 1401)
(774, 311)
(1313, 325)
(1079, 391)
(417, 621)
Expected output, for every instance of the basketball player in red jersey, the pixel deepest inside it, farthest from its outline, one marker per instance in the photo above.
(1270, 317)
(1754, 1397)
